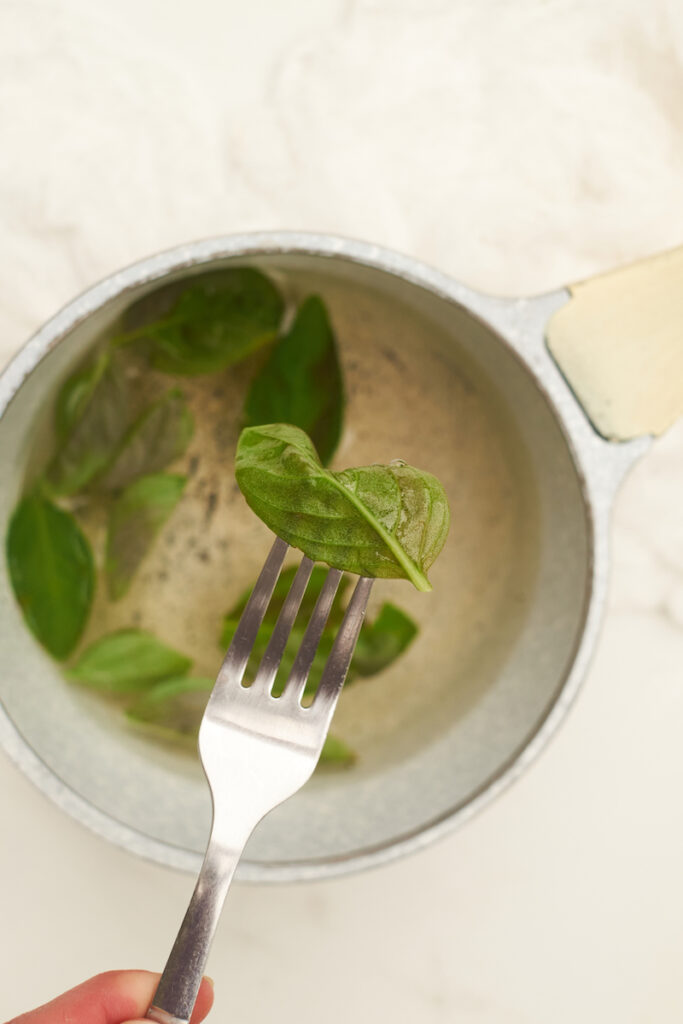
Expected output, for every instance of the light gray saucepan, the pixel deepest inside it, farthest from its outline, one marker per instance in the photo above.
(530, 410)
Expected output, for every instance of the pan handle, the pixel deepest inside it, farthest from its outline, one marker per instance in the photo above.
(619, 343)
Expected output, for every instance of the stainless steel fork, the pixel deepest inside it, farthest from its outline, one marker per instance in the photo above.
(257, 750)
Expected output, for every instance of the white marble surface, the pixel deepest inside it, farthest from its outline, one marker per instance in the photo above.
(519, 146)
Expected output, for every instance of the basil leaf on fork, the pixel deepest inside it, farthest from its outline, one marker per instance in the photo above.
(383, 521)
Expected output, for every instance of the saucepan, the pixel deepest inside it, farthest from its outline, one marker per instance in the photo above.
(530, 410)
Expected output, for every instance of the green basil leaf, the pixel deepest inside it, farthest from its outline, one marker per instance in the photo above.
(75, 394)
(301, 383)
(214, 322)
(383, 640)
(160, 435)
(135, 518)
(98, 412)
(385, 521)
(173, 709)
(127, 661)
(52, 573)
(336, 752)
(380, 643)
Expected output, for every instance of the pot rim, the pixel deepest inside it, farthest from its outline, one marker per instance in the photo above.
(598, 473)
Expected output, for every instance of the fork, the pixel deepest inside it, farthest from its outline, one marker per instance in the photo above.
(257, 750)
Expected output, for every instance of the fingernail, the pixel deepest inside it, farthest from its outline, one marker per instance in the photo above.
(210, 981)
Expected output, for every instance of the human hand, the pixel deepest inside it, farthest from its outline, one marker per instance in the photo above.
(117, 997)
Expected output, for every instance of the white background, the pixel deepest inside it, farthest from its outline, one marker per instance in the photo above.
(519, 145)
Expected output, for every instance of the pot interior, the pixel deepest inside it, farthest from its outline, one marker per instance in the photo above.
(426, 382)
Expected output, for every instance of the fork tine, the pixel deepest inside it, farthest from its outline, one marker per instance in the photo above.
(235, 662)
(337, 664)
(270, 662)
(296, 681)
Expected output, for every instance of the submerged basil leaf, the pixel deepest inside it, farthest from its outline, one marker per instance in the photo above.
(135, 518)
(93, 410)
(214, 322)
(301, 383)
(336, 752)
(173, 708)
(75, 394)
(382, 639)
(160, 435)
(385, 521)
(128, 661)
(282, 587)
(287, 660)
(52, 573)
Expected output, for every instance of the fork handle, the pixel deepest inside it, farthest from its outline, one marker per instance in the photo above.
(177, 991)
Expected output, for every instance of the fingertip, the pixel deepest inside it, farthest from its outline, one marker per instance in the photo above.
(204, 1000)
(201, 1007)
(104, 999)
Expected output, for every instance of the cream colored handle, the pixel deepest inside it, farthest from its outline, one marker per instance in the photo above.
(619, 343)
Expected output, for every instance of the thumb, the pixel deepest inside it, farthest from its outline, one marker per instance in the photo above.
(116, 997)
